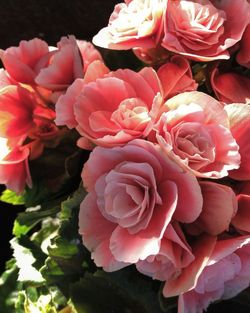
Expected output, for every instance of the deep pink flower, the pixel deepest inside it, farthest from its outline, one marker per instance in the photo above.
(230, 87)
(134, 193)
(14, 168)
(23, 62)
(203, 30)
(243, 57)
(119, 107)
(221, 270)
(176, 77)
(239, 117)
(17, 105)
(136, 23)
(193, 129)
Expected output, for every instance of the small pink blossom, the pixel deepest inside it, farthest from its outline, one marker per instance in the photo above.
(204, 30)
(133, 194)
(193, 130)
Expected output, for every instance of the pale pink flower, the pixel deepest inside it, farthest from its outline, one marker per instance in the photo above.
(119, 107)
(136, 23)
(23, 62)
(204, 30)
(221, 270)
(193, 130)
(134, 193)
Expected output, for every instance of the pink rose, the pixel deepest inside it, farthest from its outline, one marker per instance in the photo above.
(175, 254)
(239, 117)
(134, 193)
(203, 30)
(230, 87)
(23, 62)
(243, 57)
(119, 107)
(136, 23)
(176, 77)
(67, 63)
(193, 130)
(221, 270)
(14, 168)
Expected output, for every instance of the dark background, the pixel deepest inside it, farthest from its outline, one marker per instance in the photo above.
(49, 20)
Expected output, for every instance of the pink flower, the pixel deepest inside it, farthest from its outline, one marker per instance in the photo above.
(203, 30)
(193, 130)
(230, 87)
(23, 62)
(176, 77)
(119, 107)
(65, 104)
(17, 105)
(243, 57)
(219, 208)
(134, 193)
(239, 117)
(67, 63)
(221, 270)
(175, 254)
(14, 169)
(136, 23)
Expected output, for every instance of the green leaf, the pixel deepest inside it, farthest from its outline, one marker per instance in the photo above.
(125, 291)
(31, 217)
(9, 196)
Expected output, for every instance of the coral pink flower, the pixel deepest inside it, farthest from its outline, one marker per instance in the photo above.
(136, 23)
(220, 270)
(67, 63)
(14, 169)
(230, 87)
(23, 62)
(17, 106)
(203, 30)
(134, 193)
(239, 116)
(243, 57)
(66, 102)
(194, 131)
(219, 208)
(118, 107)
(176, 77)
(175, 254)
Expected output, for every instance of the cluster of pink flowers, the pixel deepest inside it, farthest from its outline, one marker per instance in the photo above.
(168, 178)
